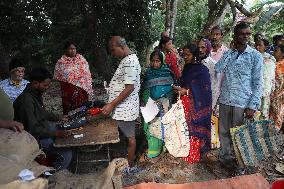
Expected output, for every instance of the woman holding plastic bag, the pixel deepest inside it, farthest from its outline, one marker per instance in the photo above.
(197, 100)
(157, 86)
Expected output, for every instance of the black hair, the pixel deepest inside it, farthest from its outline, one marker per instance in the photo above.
(15, 63)
(275, 38)
(257, 34)
(265, 41)
(164, 40)
(240, 26)
(158, 53)
(281, 47)
(217, 28)
(39, 74)
(68, 43)
(192, 48)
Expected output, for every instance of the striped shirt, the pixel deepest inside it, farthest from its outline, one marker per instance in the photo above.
(11, 89)
(128, 72)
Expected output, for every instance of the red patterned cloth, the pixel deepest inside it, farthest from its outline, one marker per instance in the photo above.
(171, 60)
(72, 97)
(194, 152)
(194, 142)
(74, 70)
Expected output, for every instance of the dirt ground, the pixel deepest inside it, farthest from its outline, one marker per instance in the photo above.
(166, 170)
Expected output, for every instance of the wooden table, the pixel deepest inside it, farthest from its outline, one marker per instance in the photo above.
(96, 132)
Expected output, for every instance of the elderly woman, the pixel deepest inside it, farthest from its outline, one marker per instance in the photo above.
(204, 47)
(268, 75)
(276, 111)
(15, 84)
(195, 85)
(157, 85)
(73, 73)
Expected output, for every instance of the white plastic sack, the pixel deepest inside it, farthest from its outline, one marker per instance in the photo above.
(177, 135)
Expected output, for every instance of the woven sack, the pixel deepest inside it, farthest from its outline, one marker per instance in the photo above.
(256, 141)
(236, 149)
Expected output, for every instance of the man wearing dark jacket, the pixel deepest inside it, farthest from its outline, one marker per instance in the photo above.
(29, 110)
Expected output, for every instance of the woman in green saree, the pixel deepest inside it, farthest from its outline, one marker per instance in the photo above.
(157, 86)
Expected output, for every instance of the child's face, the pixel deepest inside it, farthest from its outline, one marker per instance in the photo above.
(156, 62)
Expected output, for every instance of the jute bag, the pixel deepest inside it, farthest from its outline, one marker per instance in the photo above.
(177, 136)
(255, 141)
(17, 152)
(20, 147)
(237, 152)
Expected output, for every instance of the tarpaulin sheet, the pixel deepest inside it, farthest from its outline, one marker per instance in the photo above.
(255, 181)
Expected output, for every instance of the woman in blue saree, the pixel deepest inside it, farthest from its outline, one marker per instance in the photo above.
(195, 84)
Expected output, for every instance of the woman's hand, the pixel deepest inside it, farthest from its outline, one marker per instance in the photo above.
(178, 89)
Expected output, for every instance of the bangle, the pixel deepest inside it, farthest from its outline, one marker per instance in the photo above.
(187, 92)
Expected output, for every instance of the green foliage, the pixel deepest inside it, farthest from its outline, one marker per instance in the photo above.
(37, 30)
(190, 19)
(270, 23)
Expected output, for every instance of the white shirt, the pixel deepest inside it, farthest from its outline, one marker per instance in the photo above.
(210, 64)
(128, 72)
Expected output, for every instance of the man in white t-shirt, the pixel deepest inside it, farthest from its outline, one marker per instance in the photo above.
(123, 92)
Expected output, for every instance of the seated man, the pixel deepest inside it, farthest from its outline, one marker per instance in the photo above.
(7, 114)
(14, 85)
(29, 110)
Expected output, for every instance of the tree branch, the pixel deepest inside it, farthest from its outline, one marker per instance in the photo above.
(240, 7)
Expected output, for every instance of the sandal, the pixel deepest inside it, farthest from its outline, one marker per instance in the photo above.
(131, 170)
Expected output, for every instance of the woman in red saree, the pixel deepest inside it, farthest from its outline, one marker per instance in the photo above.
(73, 73)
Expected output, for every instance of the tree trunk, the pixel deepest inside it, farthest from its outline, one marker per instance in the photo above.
(173, 16)
(93, 26)
(215, 15)
(148, 55)
(168, 16)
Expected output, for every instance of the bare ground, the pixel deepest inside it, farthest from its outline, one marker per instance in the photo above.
(167, 170)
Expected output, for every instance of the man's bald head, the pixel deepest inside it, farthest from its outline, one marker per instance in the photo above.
(117, 41)
(118, 47)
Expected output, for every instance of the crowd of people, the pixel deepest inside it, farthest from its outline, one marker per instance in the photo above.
(229, 83)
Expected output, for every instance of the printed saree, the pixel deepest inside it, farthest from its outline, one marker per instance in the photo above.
(196, 79)
(75, 79)
(157, 85)
(276, 111)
